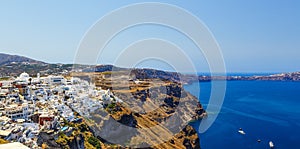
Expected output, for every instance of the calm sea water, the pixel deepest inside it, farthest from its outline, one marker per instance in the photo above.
(266, 110)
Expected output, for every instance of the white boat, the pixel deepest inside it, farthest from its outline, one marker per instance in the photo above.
(271, 144)
(241, 131)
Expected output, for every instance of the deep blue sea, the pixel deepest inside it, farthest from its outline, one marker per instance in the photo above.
(265, 110)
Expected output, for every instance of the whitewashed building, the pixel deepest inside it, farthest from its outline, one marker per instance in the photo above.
(15, 111)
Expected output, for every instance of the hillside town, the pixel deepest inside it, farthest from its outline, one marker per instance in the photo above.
(30, 105)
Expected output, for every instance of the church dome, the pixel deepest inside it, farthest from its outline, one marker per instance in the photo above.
(24, 75)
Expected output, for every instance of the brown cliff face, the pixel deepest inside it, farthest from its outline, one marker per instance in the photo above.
(153, 114)
(187, 138)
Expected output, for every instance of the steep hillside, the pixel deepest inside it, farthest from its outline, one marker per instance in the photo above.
(6, 59)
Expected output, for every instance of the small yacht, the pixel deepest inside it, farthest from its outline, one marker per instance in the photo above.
(241, 131)
(271, 144)
(258, 140)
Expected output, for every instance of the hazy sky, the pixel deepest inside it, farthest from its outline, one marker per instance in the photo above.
(254, 35)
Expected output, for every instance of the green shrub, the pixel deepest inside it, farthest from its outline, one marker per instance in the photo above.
(111, 106)
(95, 142)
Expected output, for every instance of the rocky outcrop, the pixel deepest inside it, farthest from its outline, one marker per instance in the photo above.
(77, 142)
(48, 139)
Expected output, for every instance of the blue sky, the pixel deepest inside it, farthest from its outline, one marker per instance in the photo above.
(254, 36)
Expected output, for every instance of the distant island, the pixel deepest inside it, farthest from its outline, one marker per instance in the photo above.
(293, 76)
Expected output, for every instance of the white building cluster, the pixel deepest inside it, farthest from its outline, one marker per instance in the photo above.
(29, 105)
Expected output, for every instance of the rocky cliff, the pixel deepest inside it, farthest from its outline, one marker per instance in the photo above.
(154, 113)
